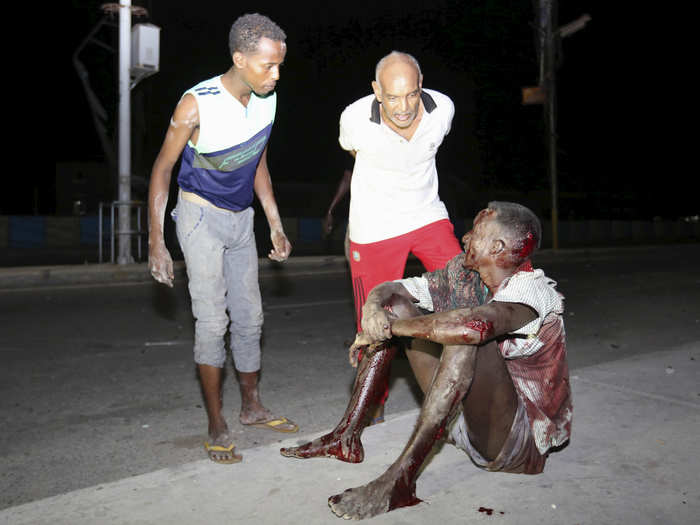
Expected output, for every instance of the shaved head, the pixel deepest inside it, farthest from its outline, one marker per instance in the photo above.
(396, 58)
(397, 88)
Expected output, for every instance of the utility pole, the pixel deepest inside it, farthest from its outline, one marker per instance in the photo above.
(126, 70)
(550, 107)
(545, 93)
(124, 169)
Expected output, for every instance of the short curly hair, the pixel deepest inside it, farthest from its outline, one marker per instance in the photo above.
(248, 29)
(521, 225)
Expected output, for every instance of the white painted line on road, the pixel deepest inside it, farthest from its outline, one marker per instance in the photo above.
(149, 282)
(303, 273)
(167, 343)
(306, 305)
(82, 286)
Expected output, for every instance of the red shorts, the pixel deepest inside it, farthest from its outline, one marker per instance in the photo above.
(375, 263)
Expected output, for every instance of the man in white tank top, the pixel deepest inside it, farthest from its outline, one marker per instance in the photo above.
(221, 127)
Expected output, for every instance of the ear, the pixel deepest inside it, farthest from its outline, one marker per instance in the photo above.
(239, 59)
(497, 246)
(420, 81)
(377, 91)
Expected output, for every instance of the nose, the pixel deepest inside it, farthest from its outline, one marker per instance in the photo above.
(465, 239)
(403, 104)
(275, 73)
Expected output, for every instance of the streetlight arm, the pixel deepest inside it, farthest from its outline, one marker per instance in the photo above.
(573, 27)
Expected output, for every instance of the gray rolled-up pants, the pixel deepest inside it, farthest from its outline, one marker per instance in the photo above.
(222, 266)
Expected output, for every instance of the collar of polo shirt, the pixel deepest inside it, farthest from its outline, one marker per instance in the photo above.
(428, 103)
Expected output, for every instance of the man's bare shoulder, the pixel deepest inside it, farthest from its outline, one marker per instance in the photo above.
(188, 101)
(186, 112)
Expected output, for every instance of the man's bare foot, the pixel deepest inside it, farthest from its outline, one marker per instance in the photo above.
(387, 492)
(220, 449)
(254, 412)
(258, 416)
(331, 445)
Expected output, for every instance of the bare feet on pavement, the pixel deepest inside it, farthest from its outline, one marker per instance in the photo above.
(220, 447)
(254, 414)
(332, 445)
(387, 492)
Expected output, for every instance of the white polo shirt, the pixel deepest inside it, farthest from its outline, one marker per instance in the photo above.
(394, 187)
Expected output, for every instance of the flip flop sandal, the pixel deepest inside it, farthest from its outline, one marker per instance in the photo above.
(274, 424)
(218, 448)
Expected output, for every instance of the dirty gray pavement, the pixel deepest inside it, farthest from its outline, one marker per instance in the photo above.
(102, 418)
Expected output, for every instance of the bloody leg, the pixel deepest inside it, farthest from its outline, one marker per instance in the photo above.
(397, 486)
(370, 386)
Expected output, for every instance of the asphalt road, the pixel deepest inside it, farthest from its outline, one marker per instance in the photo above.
(97, 382)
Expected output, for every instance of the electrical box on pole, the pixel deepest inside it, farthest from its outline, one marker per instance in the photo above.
(534, 95)
(145, 52)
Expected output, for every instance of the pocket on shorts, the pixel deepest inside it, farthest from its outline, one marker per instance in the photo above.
(188, 219)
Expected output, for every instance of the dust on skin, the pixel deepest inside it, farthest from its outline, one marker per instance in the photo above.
(396, 488)
(490, 254)
(189, 120)
(381, 495)
(459, 327)
(252, 409)
(160, 262)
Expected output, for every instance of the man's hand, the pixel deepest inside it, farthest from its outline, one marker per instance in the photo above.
(363, 343)
(160, 263)
(327, 224)
(376, 321)
(281, 247)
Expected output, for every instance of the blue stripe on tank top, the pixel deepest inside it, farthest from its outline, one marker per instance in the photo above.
(225, 178)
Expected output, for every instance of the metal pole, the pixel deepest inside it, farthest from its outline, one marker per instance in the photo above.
(138, 229)
(550, 114)
(124, 193)
(99, 232)
(112, 230)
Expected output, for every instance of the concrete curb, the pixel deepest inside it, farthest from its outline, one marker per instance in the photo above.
(20, 277)
(630, 461)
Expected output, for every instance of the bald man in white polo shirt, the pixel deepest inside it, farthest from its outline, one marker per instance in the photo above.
(395, 209)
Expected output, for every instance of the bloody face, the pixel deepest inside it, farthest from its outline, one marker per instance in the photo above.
(261, 69)
(478, 239)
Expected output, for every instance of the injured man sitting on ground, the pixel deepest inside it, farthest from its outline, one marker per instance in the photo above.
(498, 386)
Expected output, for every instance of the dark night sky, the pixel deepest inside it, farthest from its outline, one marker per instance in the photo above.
(479, 53)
